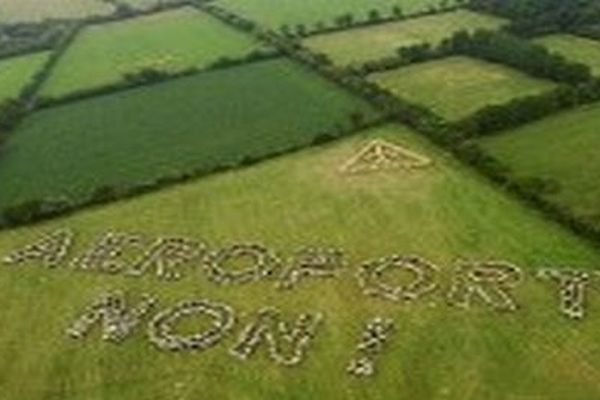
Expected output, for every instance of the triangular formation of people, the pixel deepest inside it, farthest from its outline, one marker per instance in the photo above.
(379, 155)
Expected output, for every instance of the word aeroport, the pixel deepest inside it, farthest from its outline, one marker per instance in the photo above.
(488, 283)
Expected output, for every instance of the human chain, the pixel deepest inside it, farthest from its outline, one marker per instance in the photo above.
(488, 283)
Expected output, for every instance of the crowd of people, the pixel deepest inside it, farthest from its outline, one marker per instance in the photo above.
(572, 286)
(312, 262)
(166, 256)
(162, 332)
(373, 338)
(371, 277)
(490, 281)
(286, 342)
(111, 310)
(51, 249)
(263, 263)
(105, 255)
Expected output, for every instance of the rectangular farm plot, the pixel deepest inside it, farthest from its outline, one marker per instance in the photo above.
(16, 72)
(562, 149)
(12, 11)
(456, 87)
(169, 41)
(355, 46)
(582, 50)
(275, 13)
(194, 124)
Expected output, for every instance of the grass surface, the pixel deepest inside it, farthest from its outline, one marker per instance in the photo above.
(456, 87)
(171, 41)
(275, 13)
(579, 49)
(16, 72)
(563, 148)
(437, 352)
(35, 10)
(190, 124)
(375, 42)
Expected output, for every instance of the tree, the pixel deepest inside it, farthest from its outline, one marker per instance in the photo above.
(11, 113)
(397, 11)
(374, 16)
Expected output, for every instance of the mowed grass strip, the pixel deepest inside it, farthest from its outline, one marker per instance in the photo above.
(275, 13)
(12, 11)
(442, 213)
(198, 123)
(456, 87)
(359, 45)
(168, 41)
(582, 50)
(562, 148)
(16, 72)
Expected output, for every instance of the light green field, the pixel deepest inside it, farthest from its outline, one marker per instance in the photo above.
(456, 87)
(378, 41)
(563, 148)
(275, 13)
(170, 41)
(16, 72)
(579, 49)
(438, 352)
(36, 10)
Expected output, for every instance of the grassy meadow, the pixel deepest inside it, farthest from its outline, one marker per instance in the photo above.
(562, 148)
(275, 13)
(456, 87)
(12, 11)
(578, 49)
(438, 352)
(213, 119)
(169, 41)
(16, 72)
(356, 46)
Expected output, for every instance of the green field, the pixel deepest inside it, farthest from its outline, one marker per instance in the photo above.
(275, 13)
(438, 352)
(170, 41)
(189, 124)
(16, 72)
(456, 87)
(563, 148)
(578, 49)
(35, 10)
(378, 41)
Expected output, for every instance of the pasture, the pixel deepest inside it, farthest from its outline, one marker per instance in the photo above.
(12, 11)
(168, 41)
(275, 13)
(562, 148)
(16, 72)
(456, 87)
(213, 119)
(356, 46)
(578, 49)
(437, 351)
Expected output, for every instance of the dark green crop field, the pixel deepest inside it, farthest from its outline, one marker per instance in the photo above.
(193, 124)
